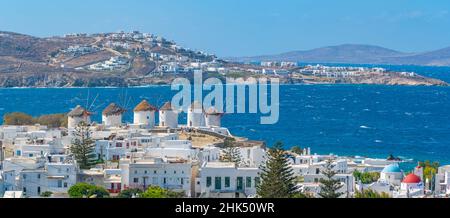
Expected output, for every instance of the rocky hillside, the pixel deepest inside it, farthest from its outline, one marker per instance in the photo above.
(110, 59)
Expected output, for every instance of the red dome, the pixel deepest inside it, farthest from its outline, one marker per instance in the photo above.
(412, 178)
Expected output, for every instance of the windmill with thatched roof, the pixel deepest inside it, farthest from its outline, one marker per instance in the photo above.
(77, 115)
(144, 114)
(196, 115)
(112, 115)
(168, 116)
(213, 117)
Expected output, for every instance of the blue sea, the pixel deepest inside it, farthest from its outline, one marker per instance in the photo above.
(364, 120)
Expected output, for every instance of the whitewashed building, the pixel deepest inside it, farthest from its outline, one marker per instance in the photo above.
(55, 177)
(115, 149)
(7, 181)
(169, 173)
(173, 149)
(218, 179)
(442, 185)
(252, 156)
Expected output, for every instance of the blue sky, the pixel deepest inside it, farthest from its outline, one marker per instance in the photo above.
(243, 27)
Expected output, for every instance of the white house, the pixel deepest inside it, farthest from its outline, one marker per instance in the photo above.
(173, 174)
(37, 147)
(61, 176)
(252, 156)
(209, 154)
(311, 172)
(18, 164)
(174, 149)
(7, 181)
(222, 178)
(55, 177)
(116, 148)
(442, 185)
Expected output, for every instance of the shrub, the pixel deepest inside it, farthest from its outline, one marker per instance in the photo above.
(158, 192)
(128, 193)
(17, 118)
(21, 119)
(369, 193)
(46, 194)
(84, 190)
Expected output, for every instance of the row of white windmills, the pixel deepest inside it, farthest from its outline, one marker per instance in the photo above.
(144, 115)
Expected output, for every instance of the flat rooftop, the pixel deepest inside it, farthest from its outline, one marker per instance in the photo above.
(220, 165)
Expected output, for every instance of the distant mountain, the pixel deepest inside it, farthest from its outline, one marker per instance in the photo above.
(434, 58)
(358, 54)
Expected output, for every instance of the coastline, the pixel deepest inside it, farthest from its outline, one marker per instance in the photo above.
(281, 84)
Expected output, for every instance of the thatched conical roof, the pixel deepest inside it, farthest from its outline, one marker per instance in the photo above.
(213, 111)
(144, 106)
(79, 111)
(167, 107)
(113, 109)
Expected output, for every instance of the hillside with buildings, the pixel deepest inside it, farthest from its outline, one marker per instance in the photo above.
(136, 59)
(109, 59)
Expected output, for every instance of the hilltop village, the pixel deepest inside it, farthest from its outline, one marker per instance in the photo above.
(125, 59)
(187, 158)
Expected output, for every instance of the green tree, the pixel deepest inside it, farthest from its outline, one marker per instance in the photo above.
(84, 190)
(277, 176)
(129, 193)
(366, 177)
(369, 193)
(158, 192)
(83, 146)
(329, 186)
(303, 195)
(297, 150)
(429, 169)
(231, 152)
